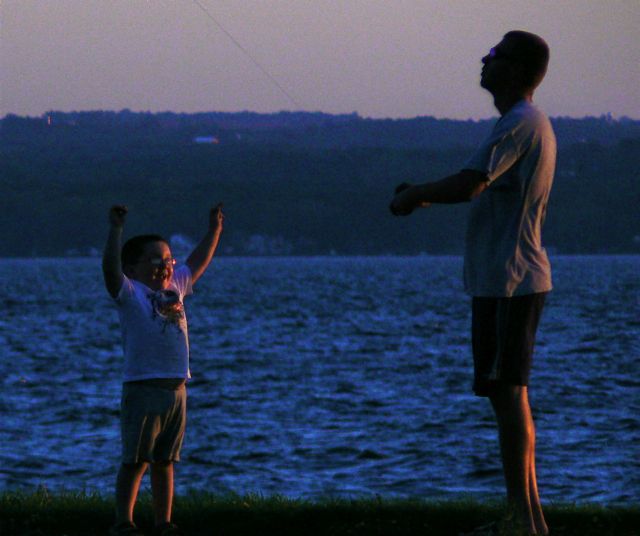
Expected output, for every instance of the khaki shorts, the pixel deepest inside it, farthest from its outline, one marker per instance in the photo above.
(152, 422)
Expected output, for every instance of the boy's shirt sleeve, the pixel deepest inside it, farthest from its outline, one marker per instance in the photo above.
(126, 291)
(182, 280)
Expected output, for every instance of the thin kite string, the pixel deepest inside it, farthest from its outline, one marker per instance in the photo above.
(247, 53)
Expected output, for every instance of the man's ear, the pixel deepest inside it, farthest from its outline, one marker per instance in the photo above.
(517, 75)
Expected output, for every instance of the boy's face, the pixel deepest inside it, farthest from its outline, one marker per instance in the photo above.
(154, 267)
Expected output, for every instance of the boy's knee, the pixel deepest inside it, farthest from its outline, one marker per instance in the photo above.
(131, 471)
(132, 465)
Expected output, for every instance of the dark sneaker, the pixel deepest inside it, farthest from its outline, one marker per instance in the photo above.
(167, 529)
(125, 528)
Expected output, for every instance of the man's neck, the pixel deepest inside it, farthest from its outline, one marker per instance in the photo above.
(505, 102)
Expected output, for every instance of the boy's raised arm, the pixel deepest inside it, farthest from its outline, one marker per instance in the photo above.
(111, 263)
(201, 256)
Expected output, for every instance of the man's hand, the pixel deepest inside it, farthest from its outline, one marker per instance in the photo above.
(402, 187)
(117, 215)
(402, 204)
(406, 200)
(216, 218)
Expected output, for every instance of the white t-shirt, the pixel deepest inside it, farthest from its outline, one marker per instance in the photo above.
(154, 328)
(503, 250)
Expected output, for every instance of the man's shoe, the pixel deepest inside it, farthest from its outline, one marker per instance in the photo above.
(125, 528)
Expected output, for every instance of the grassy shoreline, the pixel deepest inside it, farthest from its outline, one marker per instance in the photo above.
(41, 513)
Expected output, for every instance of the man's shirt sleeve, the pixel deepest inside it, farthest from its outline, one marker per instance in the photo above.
(501, 150)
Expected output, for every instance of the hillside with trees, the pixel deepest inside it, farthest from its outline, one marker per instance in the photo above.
(292, 183)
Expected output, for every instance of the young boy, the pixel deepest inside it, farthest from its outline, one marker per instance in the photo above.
(149, 295)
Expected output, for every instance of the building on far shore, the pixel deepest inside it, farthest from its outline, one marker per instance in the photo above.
(206, 139)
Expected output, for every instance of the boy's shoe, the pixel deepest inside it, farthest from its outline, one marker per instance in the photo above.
(125, 528)
(167, 529)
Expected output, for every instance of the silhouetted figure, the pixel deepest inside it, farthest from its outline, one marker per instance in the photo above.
(506, 269)
(149, 295)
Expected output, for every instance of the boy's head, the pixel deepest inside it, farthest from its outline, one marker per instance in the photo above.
(147, 259)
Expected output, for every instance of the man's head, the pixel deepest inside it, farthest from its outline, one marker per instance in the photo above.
(147, 259)
(517, 64)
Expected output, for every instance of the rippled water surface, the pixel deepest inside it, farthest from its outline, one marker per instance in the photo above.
(326, 376)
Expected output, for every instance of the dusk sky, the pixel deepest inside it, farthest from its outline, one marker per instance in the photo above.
(393, 58)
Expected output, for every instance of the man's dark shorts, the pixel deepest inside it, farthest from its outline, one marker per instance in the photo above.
(503, 333)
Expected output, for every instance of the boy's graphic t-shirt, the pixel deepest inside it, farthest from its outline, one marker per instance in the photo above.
(154, 328)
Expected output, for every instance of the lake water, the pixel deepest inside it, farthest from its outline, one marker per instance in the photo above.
(326, 376)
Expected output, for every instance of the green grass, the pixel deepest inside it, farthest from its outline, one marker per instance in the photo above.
(41, 513)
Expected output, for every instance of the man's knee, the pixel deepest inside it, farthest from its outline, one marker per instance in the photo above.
(504, 395)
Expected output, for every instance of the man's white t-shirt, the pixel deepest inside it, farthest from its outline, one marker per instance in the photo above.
(154, 328)
(503, 250)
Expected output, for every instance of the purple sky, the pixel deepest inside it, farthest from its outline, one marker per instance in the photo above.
(380, 58)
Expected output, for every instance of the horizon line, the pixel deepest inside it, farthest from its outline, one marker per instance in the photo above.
(355, 114)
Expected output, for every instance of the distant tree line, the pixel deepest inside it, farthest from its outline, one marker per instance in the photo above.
(292, 183)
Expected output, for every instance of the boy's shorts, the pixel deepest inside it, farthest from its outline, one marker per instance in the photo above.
(152, 421)
(503, 333)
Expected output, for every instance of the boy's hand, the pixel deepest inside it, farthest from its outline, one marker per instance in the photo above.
(117, 215)
(216, 218)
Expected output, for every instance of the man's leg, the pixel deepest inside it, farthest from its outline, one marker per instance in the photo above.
(162, 490)
(536, 506)
(517, 445)
(127, 486)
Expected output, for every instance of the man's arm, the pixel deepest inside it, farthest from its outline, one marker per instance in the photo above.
(111, 263)
(458, 188)
(201, 256)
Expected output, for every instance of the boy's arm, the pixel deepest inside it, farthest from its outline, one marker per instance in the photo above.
(111, 264)
(201, 256)
(457, 188)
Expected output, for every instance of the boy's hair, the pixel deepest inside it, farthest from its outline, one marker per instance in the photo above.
(532, 52)
(134, 247)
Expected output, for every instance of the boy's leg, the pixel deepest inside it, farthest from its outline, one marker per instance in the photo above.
(166, 452)
(127, 486)
(162, 489)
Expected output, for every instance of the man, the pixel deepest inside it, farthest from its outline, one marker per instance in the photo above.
(506, 269)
